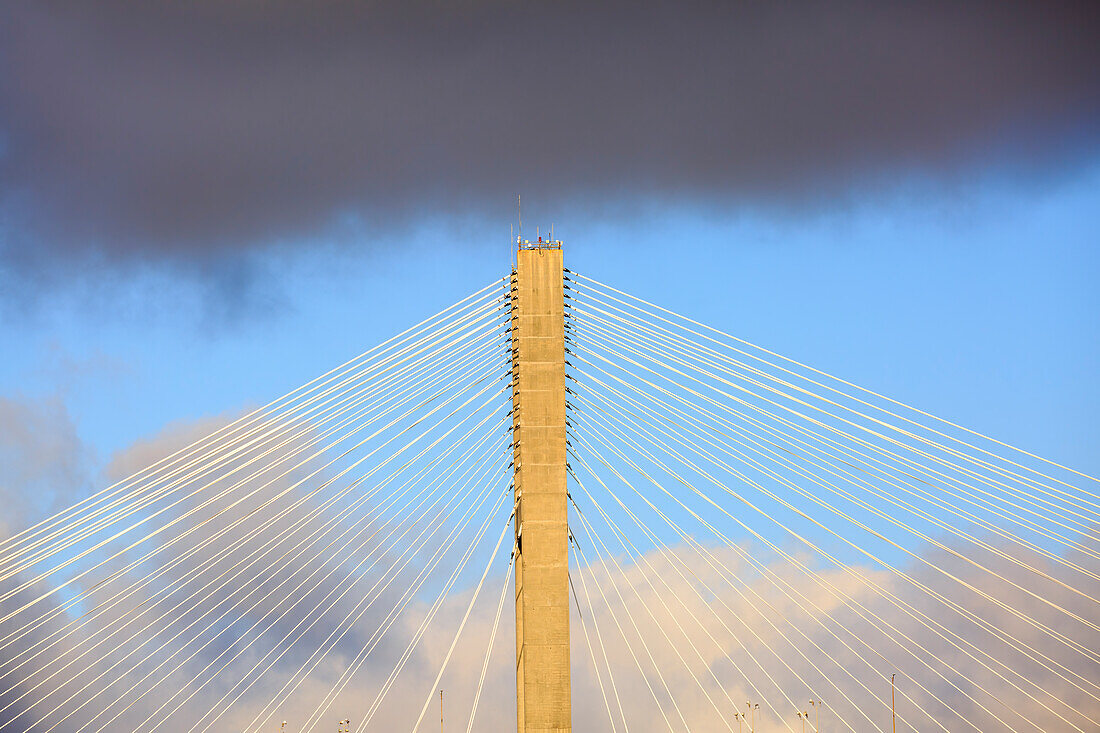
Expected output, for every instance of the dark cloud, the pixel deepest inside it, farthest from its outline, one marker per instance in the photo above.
(170, 128)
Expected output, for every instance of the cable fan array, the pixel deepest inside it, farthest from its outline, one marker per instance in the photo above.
(752, 534)
(250, 576)
(756, 545)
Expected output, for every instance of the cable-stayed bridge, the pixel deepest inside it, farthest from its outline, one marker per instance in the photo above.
(680, 530)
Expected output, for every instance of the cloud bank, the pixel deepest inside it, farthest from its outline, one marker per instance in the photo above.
(722, 616)
(171, 130)
(44, 466)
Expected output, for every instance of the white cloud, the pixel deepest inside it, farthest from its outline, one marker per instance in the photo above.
(44, 466)
(736, 618)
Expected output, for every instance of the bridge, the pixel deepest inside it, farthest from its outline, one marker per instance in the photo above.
(691, 533)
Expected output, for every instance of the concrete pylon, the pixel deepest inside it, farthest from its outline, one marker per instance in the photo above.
(538, 423)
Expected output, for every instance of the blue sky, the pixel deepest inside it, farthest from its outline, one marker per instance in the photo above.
(976, 300)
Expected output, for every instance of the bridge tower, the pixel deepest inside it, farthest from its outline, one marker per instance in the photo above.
(538, 426)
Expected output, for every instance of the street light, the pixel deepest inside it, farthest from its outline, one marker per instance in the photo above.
(817, 705)
(738, 717)
(803, 719)
(893, 712)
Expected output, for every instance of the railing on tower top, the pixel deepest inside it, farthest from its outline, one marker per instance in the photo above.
(540, 243)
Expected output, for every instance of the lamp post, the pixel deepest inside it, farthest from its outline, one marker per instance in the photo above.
(893, 711)
(737, 717)
(817, 705)
(752, 726)
(803, 719)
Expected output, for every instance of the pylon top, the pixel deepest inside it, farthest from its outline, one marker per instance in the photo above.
(540, 243)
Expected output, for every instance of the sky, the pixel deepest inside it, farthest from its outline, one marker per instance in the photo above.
(201, 206)
(976, 302)
(205, 205)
